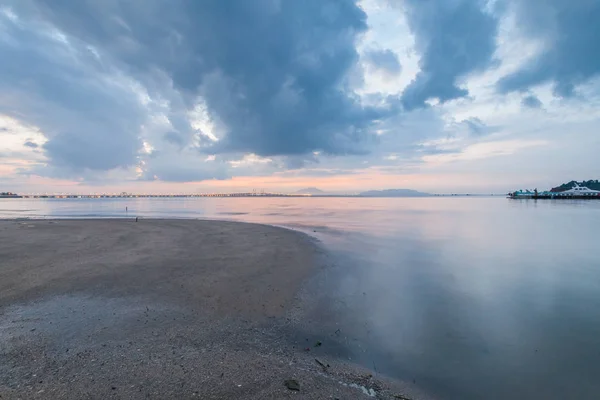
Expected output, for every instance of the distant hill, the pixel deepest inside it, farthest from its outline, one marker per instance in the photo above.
(591, 184)
(310, 190)
(394, 193)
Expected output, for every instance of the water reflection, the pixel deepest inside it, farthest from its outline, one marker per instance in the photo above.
(479, 298)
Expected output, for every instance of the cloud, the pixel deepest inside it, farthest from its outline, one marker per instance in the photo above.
(174, 138)
(531, 101)
(30, 144)
(273, 73)
(155, 92)
(486, 150)
(184, 173)
(47, 80)
(384, 60)
(145, 90)
(477, 127)
(568, 32)
(454, 39)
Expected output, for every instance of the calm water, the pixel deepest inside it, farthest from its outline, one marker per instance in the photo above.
(473, 298)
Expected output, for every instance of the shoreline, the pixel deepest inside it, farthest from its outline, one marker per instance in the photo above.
(87, 307)
(306, 232)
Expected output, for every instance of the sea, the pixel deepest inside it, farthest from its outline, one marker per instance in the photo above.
(466, 297)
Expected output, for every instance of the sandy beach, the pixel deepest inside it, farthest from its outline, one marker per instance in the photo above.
(163, 309)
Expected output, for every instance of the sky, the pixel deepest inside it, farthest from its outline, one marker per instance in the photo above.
(185, 96)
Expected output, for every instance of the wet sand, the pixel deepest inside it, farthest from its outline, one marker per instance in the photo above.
(163, 309)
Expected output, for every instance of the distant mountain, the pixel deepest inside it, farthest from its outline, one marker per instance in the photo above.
(393, 193)
(591, 184)
(310, 190)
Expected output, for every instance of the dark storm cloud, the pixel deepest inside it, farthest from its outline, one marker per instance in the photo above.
(569, 32)
(274, 72)
(531, 101)
(454, 38)
(385, 60)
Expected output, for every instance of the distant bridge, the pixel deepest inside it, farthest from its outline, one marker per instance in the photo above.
(139, 196)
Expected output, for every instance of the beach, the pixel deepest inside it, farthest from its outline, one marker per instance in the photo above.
(115, 308)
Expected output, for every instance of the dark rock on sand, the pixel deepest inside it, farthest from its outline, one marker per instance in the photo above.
(292, 384)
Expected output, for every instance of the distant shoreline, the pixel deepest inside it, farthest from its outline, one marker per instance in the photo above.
(241, 195)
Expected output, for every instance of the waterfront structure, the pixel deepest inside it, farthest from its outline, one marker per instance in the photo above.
(9, 195)
(576, 192)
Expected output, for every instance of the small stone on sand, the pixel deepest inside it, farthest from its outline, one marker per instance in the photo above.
(292, 384)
